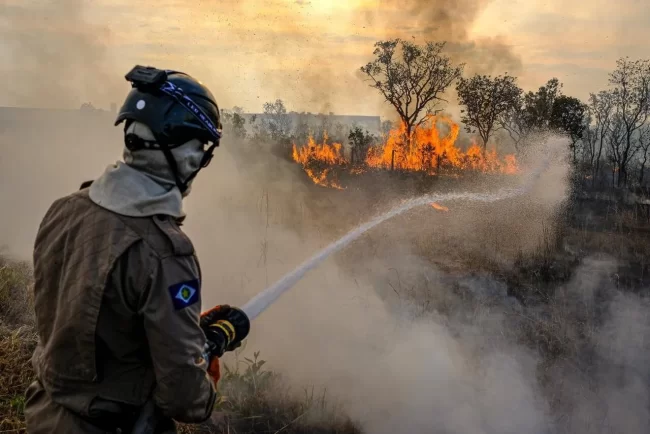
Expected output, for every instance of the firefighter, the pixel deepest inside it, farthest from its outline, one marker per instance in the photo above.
(117, 283)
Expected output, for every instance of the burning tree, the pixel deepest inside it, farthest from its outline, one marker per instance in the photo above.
(411, 80)
(486, 100)
(434, 152)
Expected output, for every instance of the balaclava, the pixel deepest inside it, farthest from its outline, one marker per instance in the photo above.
(143, 185)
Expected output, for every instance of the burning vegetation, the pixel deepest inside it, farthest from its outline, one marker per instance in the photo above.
(318, 159)
(430, 148)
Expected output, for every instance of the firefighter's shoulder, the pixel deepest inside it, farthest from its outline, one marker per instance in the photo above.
(164, 236)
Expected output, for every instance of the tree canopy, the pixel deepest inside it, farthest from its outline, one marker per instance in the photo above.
(486, 100)
(411, 78)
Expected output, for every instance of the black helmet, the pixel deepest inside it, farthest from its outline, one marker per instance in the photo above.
(176, 107)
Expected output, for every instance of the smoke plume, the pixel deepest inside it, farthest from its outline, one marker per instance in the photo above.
(449, 21)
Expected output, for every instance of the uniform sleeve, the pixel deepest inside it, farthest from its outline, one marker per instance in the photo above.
(171, 310)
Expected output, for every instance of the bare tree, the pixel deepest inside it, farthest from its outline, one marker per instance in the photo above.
(412, 80)
(615, 141)
(644, 148)
(600, 107)
(516, 123)
(590, 145)
(631, 96)
(486, 100)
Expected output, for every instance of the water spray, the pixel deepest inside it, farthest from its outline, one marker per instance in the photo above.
(147, 419)
(264, 299)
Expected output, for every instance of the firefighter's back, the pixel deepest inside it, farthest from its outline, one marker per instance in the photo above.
(92, 362)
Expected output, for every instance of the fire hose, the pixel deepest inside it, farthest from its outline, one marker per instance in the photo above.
(258, 304)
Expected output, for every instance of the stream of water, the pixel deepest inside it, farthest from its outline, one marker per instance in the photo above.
(267, 297)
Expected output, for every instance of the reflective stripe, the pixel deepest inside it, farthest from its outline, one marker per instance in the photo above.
(177, 93)
(229, 325)
(225, 331)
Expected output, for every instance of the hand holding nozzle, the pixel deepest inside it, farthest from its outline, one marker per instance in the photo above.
(225, 328)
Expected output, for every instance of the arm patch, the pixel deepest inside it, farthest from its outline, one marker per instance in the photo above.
(184, 294)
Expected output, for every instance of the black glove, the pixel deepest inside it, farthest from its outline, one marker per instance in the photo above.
(225, 328)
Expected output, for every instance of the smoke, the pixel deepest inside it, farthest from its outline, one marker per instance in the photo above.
(311, 57)
(64, 53)
(449, 21)
(54, 55)
(46, 155)
(406, 345)
(387, 334)
(399, 328)
(392, 338)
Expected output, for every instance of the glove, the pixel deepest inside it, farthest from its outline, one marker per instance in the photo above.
(225, 328)
(214, 369)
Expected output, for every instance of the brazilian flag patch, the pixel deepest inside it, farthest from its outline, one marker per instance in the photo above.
(184, 294)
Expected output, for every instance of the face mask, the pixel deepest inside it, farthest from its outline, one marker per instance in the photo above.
(189, 159)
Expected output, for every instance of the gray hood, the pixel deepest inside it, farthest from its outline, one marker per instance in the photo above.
(143, 185)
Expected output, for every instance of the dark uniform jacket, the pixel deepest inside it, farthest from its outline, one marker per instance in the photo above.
(117, 303)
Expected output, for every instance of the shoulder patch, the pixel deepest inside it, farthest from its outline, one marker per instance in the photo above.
(184, 294)
(180, 242)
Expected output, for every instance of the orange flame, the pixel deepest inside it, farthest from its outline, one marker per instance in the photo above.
(425, 149)
(316, 159)
(428, 150)
(439, 207)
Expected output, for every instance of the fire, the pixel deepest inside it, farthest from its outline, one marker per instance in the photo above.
(317, 159)
(430, 148)
(430, 151)
(439, 207)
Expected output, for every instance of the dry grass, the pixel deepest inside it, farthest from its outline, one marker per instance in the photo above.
(16, 347)
(254, 401)
(15, 293)
(17, 342)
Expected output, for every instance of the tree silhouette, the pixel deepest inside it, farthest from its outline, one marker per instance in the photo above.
(486, 100)
(411, 78)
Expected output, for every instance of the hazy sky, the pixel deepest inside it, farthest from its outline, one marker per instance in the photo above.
(63, 52)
